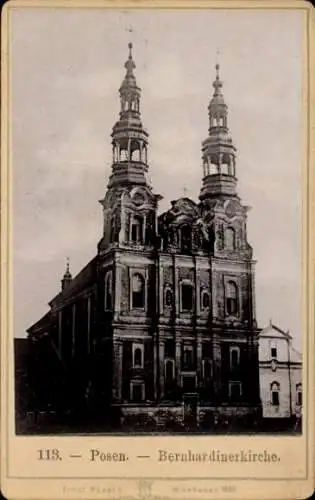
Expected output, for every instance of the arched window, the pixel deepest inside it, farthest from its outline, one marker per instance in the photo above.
(188, 358)
(136, 229)
(168, 297)
(230, 238)
(186, 296)
(137, 357)
(234, 357)
(211, 234)
(299, 394)
(205, 300)
(275, 392)
(123, 154)
(135, 151)
(138, 291)
(231, 298)
(169, 372)
(108, 291)
(207, 369)
(186, 238)
(214, 165)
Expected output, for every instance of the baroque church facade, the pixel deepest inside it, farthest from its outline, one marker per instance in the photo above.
(160, 327)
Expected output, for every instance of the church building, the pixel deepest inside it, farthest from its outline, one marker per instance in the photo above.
(159, 329)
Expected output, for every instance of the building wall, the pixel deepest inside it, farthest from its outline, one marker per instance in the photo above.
(278, 371)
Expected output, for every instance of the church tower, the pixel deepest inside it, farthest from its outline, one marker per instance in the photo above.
(218, 151)
(129, 205)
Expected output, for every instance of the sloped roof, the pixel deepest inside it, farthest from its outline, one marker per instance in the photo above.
(274, 331)
(295, 356)
(41, 324)
(85, 278)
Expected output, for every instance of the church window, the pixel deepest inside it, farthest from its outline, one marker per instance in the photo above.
(135, 151)
(123, 154)
(136, 229)
(137, 355)
(188, 358)
(186, 296)
(186, 238)
(205, 300)
(274, 352)
(231, 298)
(169, 372)
(207, 369)
(299, 394)
(137, 391)
(230, 238)
(211, 234)
(275, 391)
(109, 291)
(235, 391)
(138, 291)
(234, 357)
(168, 297)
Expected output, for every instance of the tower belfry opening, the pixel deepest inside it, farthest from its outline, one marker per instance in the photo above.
(218, 151)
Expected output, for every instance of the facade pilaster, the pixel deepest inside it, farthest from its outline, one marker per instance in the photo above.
(161, 359)
(117, 369)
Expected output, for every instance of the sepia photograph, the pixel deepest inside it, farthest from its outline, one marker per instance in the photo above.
(156, 200)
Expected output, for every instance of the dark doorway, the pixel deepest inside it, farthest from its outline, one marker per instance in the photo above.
(190, 411)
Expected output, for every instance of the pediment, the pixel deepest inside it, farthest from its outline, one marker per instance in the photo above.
(184, 208)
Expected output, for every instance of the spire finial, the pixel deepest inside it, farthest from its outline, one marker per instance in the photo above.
(67, 271)
(130, 65)
(130, 50)
(67, 277)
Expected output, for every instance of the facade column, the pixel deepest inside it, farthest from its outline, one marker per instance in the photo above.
(253, 295)
(217, 370)
(117, 289)
(176, 289)
(178, 361)
(155, 366)
(161, 359)
(144, 225)
(160, 290)
(117, 369)
(129, 152)
(73, 330)
(199, 360)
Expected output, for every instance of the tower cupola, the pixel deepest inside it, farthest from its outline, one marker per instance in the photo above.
(67, 277)
(129, 138)
(218, 151)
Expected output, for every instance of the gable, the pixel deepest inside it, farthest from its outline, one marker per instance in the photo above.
(273, 331)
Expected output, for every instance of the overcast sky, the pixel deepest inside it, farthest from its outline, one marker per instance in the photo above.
(67, 66)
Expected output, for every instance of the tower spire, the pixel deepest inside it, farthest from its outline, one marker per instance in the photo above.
(67, 277)
(218, 152)
(130, 139)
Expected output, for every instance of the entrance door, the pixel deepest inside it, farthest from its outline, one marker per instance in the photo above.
(190, 411)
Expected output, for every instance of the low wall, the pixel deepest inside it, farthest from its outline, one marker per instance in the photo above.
(172, 417)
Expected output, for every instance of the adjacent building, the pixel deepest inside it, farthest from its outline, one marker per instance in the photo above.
(280, 371)
(159, 328)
